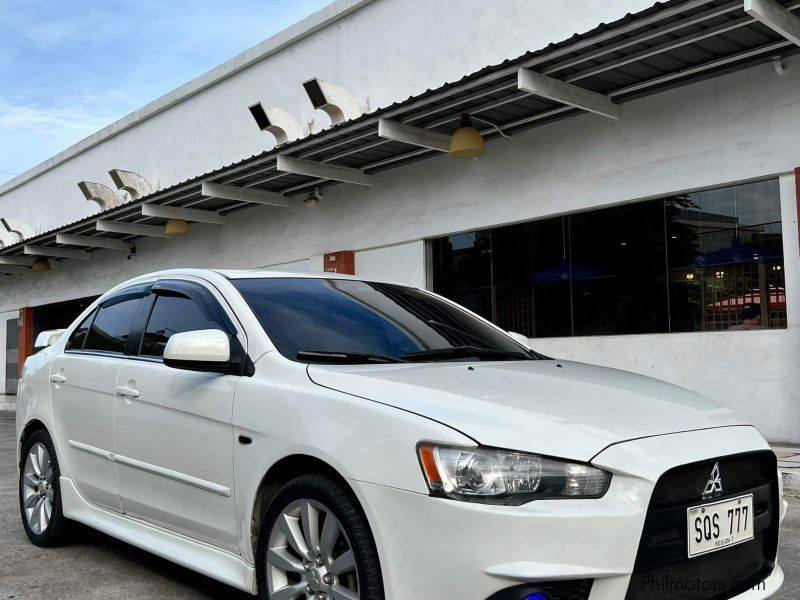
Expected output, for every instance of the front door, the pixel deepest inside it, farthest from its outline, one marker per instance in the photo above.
(82, 388)
(174, 433)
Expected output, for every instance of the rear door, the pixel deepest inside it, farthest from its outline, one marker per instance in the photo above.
(82, 384)
(174, 432)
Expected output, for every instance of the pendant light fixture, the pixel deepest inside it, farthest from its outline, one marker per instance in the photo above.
(176, 227)
(40, 265)
(467, 142)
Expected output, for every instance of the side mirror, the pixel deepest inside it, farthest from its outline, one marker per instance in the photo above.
(206, 350)
(48, 338)
(522, 339)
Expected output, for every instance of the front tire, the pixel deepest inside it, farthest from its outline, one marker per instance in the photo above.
(40, 492)
(315, 543)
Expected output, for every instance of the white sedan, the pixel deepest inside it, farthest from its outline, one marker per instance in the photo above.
(321, 437)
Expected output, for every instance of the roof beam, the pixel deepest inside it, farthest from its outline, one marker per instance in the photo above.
(56, 252)
(187, 214)
(567, 93)
(250, 195)
(14, 270)
(92, 242)
(416, 136)
(776, 17)
(20, 261)
(130, 229)
(310, 168)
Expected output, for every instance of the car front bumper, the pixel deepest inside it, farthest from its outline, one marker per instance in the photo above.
(433, 548)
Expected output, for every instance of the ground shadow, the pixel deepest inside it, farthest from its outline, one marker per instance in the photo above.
(203, 586)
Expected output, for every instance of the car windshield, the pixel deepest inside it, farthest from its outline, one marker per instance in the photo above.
(347, 321)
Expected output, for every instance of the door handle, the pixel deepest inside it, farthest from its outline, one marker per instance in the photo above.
(127, 392)
(58, 379)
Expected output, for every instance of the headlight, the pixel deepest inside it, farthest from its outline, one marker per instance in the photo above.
(505, 477)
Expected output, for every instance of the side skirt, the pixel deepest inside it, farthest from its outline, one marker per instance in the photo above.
(197, 556)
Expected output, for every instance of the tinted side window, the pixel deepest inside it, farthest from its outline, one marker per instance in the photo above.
(109, 332)
(710, 260)
(170, 315)
(79, 335)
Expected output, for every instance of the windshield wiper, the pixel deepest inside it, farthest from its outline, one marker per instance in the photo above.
(344, 358)
(463, 352)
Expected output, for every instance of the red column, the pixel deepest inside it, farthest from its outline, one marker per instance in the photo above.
(25, 335)
(342, 262)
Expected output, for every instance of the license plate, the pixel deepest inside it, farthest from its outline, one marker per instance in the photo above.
(718, 525)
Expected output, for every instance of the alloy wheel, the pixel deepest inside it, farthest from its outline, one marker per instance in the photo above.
(37, 488)
(310, 556)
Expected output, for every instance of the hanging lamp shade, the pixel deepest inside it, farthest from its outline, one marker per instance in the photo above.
(40, 265)
(467, 142)
(176, 227)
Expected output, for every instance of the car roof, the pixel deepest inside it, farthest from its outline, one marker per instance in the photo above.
(268, 273)
(233, 274)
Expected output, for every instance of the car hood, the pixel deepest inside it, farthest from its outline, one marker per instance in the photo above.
(558, 408)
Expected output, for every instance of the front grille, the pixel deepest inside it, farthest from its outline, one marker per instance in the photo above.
(575, 589)
(711, 575)
(663, 569)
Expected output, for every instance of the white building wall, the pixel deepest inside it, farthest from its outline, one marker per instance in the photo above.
(297, 266)
(381, 53)
(720, 131)
(725, 130)
(400, 263)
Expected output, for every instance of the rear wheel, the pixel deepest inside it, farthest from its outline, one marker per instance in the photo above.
(315, 543)
(40, 492)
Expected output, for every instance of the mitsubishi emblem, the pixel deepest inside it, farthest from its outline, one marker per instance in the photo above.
(714, 484)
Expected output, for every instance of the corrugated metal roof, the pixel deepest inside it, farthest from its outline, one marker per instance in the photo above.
(672, 43)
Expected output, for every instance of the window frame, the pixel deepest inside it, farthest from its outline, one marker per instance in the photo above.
(140, 290)
(90, 318)
(209, 303)
(194, 292)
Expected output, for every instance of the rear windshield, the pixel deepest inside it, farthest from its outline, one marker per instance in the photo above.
(303, 315)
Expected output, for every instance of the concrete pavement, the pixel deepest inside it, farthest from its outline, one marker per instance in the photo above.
(96, 566)
(8, 402)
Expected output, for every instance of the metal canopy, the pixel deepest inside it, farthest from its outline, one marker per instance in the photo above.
(668, 45)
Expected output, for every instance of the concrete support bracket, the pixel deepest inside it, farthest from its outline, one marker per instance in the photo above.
(283, 126)
(101, 194)
(133, 183)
